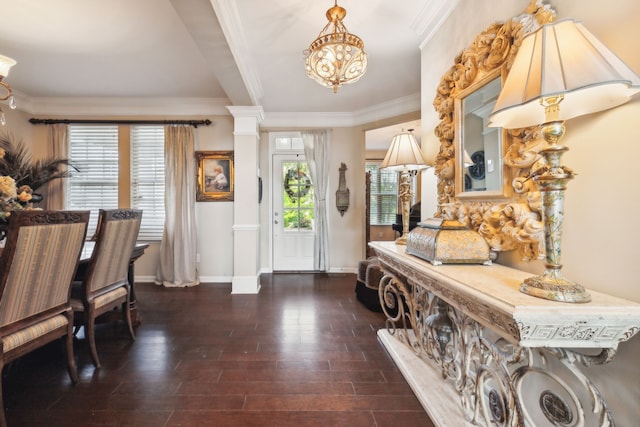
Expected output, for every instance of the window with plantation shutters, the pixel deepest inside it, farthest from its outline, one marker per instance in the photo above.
(93, 150)
(383, 202)
(147, 179)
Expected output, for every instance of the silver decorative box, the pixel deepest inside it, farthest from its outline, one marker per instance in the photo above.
(447, 242)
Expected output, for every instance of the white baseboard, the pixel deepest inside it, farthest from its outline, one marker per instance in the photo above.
(145, 279)
(229, 279)
(343, 270)
(245, 285)
(203, 279)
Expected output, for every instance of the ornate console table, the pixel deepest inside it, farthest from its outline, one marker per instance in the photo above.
(476, 351)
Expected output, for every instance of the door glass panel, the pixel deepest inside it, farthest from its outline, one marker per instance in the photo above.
(298, 200)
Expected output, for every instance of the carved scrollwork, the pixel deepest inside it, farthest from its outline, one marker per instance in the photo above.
(498, 382)
(516, 223)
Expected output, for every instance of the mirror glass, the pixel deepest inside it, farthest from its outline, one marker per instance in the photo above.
(479, 157)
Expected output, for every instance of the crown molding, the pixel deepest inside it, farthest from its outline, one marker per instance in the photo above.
(122, 106)
(80, 107)
(392, 108)
(247, 111)
(306, 120)
(431, 17)
(246, 120)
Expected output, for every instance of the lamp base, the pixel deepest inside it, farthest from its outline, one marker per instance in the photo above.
(555, 289)
(402, 240)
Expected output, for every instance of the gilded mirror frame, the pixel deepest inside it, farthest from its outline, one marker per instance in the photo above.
(513, 219)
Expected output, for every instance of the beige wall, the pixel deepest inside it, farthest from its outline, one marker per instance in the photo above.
(346, 233)
(601, 235)
(18, 126)
(215, 219)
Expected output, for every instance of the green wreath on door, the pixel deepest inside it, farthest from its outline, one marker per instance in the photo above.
(304, 184)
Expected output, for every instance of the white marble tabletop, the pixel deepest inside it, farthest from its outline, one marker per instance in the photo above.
(490, 294)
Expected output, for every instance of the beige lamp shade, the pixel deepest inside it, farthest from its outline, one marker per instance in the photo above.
(404, 154)
(562, 58)
(5, 65)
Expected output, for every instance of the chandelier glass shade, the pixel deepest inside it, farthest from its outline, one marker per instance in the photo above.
(5, 65)
(336, 57)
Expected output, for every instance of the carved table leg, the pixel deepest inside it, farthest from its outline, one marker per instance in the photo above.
(138, 251)
(136, 320)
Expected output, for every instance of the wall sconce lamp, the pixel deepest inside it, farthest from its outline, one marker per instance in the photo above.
(5, 65)
(404, 155)
(561, 71)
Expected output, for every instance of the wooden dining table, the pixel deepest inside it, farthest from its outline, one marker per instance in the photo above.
(85, 256)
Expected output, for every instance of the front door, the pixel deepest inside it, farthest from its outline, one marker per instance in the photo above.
(293, 214)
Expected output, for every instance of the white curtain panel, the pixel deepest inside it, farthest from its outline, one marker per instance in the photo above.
(58, 147)
(177, 264)
(316, 151)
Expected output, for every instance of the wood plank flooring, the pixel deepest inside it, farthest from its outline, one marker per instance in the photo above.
(303, 352)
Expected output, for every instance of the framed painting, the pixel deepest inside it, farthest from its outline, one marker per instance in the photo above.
(215, 176)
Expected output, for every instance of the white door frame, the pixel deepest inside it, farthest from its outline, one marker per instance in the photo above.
(274, 150)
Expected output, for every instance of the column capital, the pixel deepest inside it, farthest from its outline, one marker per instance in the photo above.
(246, 119)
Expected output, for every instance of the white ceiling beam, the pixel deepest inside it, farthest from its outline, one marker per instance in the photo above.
(201, 21)
(233, 29)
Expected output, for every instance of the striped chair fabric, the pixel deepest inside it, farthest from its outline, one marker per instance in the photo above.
(106, 285)
(37, 266)
(112, 263)
(44, 255)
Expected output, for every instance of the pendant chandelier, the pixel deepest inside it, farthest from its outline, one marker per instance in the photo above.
(336, 57)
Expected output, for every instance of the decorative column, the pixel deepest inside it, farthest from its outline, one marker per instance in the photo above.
(246, 227)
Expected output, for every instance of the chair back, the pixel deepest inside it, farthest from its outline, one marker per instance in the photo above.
(38, 264)
(115, 239)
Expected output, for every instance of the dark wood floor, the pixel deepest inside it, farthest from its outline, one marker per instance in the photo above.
(303, 352)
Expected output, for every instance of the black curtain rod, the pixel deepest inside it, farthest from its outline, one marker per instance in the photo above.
(194, 123)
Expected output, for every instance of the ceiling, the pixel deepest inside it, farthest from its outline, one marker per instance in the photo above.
(169, 57)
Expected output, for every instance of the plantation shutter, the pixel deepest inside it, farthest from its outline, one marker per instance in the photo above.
(94, 151)
(383, 202)
(147, 179)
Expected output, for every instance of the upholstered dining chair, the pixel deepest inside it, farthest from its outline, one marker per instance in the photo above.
(105, 285)
(37, 266)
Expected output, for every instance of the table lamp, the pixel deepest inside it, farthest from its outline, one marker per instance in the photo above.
(404, 155)
(561, 71)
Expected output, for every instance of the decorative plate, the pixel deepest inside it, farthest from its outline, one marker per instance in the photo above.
(476, 170)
